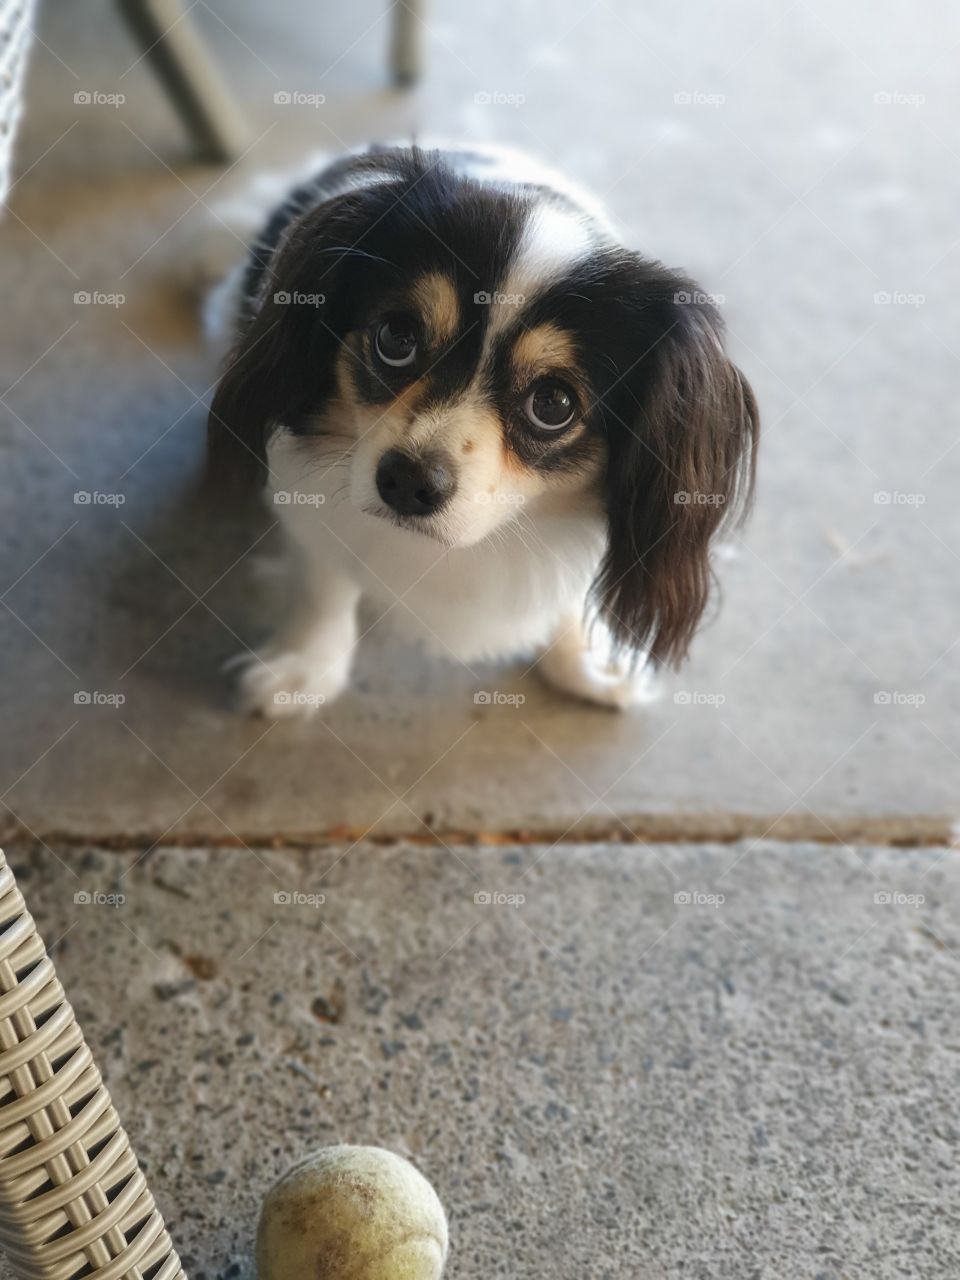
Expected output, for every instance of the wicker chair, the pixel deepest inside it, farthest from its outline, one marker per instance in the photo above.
(73, 1199)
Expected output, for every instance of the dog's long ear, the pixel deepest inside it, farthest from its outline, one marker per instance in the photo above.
(282, 365)
(681, 462)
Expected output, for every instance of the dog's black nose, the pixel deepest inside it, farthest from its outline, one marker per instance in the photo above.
(414, 486)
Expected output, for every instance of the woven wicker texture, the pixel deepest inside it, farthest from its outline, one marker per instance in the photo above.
(15, 34)
(73, 1200)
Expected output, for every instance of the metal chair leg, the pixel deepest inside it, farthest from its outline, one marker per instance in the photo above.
(171, 44)
(406, 47)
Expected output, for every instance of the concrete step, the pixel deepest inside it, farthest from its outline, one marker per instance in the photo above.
(612, 1062)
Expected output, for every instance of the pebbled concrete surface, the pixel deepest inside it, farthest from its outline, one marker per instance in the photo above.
(599, 1080)
(798, 196)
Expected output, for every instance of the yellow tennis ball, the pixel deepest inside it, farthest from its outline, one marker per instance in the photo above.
(352, 1213)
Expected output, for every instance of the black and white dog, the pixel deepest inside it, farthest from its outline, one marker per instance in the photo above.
(478, 410)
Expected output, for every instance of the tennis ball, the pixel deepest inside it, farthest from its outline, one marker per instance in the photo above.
(352, 1213)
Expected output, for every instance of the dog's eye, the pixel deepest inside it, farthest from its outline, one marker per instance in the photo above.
(550, 406)
(396, 341)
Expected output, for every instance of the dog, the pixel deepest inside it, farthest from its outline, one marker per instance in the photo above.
(479, 412)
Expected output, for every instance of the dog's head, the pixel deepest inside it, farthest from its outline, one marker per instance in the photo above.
(478, 352)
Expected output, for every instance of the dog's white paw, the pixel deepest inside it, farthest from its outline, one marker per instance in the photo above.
(290, 684)
(583, 672)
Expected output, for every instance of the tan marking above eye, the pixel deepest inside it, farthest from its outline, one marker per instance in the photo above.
(407, 400)
(436, 300)
(543, 349)
(467, 446)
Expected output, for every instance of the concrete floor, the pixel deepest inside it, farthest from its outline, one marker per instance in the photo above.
(798, 198)
(599, 1081)
(603, 1082)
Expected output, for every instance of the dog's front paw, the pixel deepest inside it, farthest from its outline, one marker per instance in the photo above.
(284, 685)
(573, 667)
